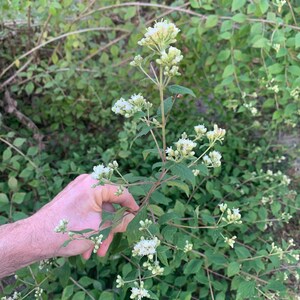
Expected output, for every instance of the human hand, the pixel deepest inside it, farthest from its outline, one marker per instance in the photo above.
(81, 205)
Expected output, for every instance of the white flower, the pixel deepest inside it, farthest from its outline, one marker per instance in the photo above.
(230, 241)
(185, 146)
(171, 58)
(154, 267)
(146, 247)
(100, 172)
(138, 102)
(145, 224)
(97, 241)
(139, 292)
(200, 130)
(62, 226)
(223, 207)
(233, 216)
(215, 157)
(137, 61)
(207, 161)
(160, 36)
(123, 107)
(120, 282)
(171, 72)
(188, 247)
(216, 135)
(285, 180)
(196, 172)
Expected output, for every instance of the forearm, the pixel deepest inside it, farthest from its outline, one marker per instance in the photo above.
(21, 244)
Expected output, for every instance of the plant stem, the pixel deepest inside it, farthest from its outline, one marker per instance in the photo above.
(162, 108)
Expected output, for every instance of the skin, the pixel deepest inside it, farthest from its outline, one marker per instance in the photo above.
(33, 239)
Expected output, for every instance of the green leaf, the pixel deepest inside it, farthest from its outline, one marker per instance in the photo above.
(290, 109)
(229, 70)
(263, 5)
(295, 70)
(132, 232)
(211, 21)
(183, 186)
(158, 211)
(223, 55)
(3, 198)
(18, 142)
(242, 252)
(13, 183)
(260, 43)
(275, 68)
(67, 292)
(66, 243)
(18, 197)
(178, 89)
(237, 4)
(184, 173)
(6, 154)
(297, 40)
(276, 285)
(29, 88)
(148, 151)
(239, 18)
(193, 266)
(233, 268)
(167, 217)
(168, 104)
(246, 289)
(79, 296)
(106, 296)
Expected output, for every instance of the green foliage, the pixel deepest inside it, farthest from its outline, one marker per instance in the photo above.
(241, 67)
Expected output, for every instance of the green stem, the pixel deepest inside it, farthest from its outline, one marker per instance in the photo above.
(163, 119)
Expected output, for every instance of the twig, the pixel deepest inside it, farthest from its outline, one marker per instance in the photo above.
(82, 288)
(58, 38)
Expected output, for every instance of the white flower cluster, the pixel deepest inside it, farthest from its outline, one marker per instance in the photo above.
(233, 216)
(284, 179)
(213, 159)
(184, 149)
(120, 282)
(295, 93)
(230, 241)
(146, 247)
(154, 267)
(38, 293)
(137, 61)
(15, 296)
(62, 226)
(145, 224)
(188, 247)
(128, 108)
(223, 207)
(250, 106)
(216, 135)
(97, 241)
(272, 87)
(200, 131)
(139, 292)
(101, 172)
(196, 172)
(277, 250)
(45, 263)
(160, 36)
(170, 61)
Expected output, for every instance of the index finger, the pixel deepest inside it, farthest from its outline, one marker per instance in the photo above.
(107, 194)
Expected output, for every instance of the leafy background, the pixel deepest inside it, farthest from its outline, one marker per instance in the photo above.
(63, 64)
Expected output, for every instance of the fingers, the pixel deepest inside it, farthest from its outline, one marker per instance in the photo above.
(120, 228)
(107, 193)
(87, 254)
(105, 245)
